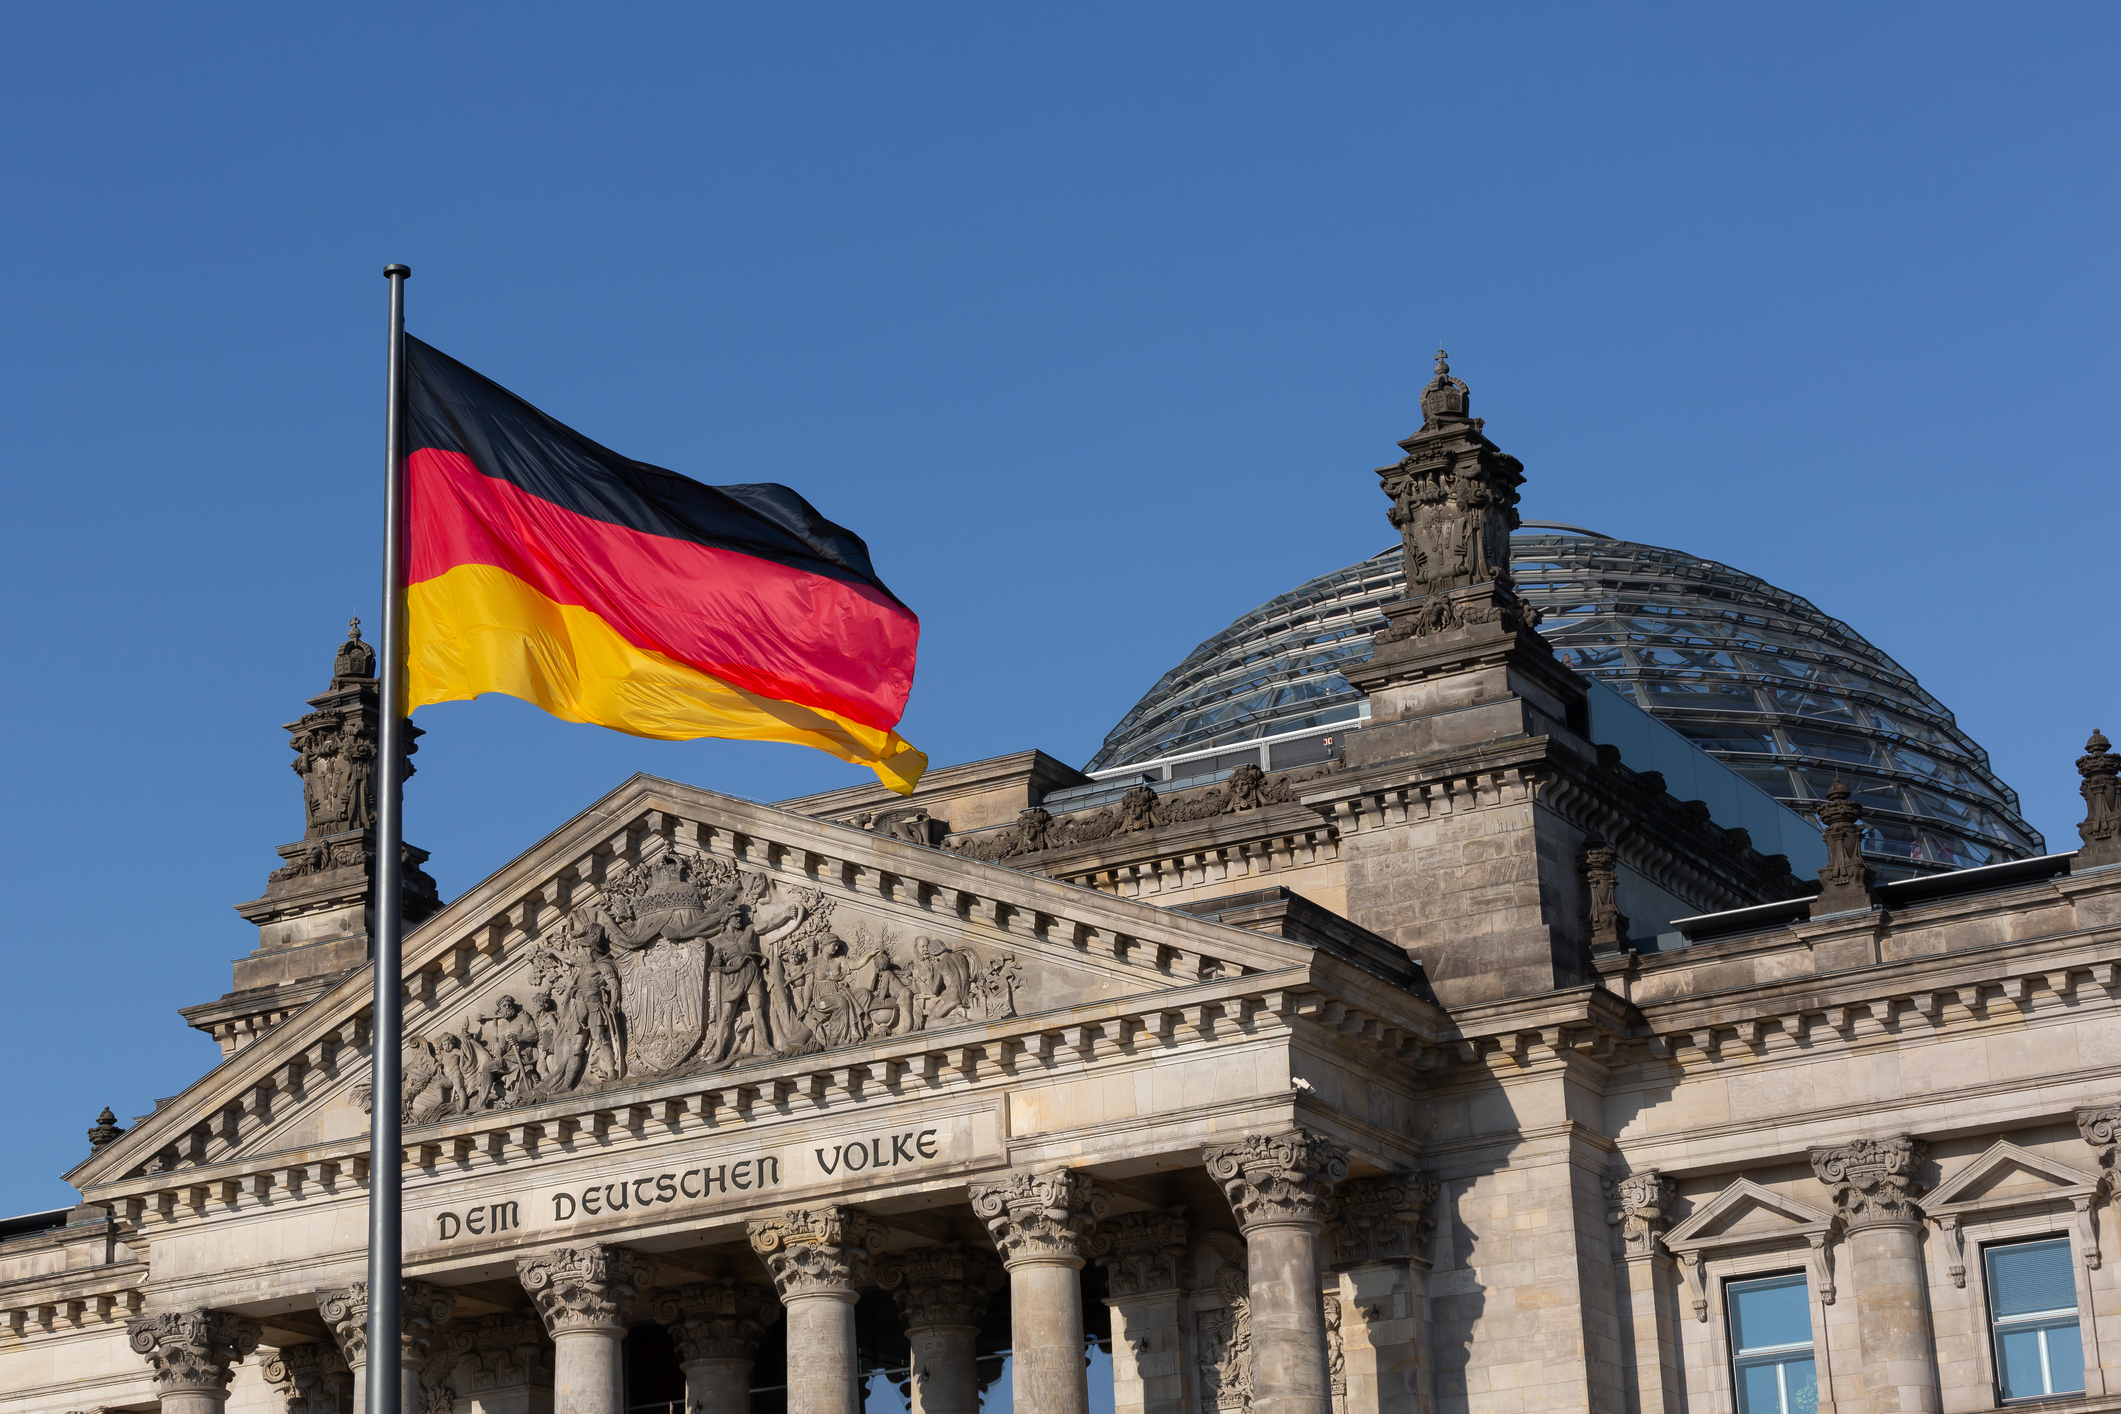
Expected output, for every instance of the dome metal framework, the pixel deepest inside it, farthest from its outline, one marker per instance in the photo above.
(1787, 696)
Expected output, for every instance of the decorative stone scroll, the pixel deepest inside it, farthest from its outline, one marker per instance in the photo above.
(812, 1251)
(1639, 1203)
(2100, 1126)
(423, 1310)
(1040, 1217)
(1873, 1181)
(1141, 1252)
(2101, 830)
(1381, 1219)
(946, 1285)
(192, 1352)
(717, 1320)
(690, 964)
(582, 1288)
(1279, 1178)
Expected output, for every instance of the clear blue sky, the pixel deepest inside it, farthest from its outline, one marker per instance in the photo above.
(1092, 319)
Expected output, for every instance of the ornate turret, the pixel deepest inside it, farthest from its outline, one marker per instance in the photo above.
(313, 920)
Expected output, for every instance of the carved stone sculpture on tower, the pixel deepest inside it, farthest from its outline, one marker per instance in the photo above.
(193, 1354)
(1845, 878)
(2101, 830)
(1601, 877)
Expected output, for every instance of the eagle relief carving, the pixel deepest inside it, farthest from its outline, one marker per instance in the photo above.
(689, 964)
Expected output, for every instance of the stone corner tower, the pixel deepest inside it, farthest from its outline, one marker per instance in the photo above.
(314, 920)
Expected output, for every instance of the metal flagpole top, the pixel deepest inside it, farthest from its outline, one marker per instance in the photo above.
(402, 272)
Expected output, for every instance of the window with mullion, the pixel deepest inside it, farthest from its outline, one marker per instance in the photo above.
(1772, 1369)
(2032, 1302)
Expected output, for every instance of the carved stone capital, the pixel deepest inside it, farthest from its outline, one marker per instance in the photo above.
(1639, 1202)
(192, 1352)
(581, 1288)
(312, 1378)
(2101, 1127)
(1873, 1180)
(1275, 1179)
(423, 1309)
(1141, 1252)
(1039, 1217)
(717, 1320)
(948, 1285)
(817, 1251)
(1381, 1219)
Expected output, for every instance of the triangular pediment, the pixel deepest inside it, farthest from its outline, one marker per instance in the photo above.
(670, 932)
(2006, 1175)
(1746, 1212)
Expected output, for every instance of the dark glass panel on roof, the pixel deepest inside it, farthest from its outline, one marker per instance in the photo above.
(1724, 657)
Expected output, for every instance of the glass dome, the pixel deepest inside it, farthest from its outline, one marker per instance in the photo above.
(1757, 677)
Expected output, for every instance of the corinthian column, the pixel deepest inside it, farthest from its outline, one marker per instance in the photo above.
(193, 1354)
(1874, 1189)
(1141, 1254)
(1038, 1221)
(422, 1311)
(581, 1295)
(943, 1294)
(820, 1259)
(1280, 1186)
(310, 1377)
(715, 1326)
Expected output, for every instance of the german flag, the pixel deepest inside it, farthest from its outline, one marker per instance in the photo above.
(544, 566)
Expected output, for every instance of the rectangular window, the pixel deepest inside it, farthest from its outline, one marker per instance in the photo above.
(2032, 1304)
(1771, 1345)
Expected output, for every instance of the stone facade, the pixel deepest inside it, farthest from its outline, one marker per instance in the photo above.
(1343, 1086)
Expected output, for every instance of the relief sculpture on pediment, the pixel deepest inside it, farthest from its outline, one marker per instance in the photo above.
(689, 964)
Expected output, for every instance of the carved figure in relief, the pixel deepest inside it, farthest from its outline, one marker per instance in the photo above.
(510, 1040)
(940, 981)
(1226, 1346)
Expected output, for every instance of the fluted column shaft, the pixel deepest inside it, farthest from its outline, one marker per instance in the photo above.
(942, 1292)
(820, 1260)
(1038, 1221)
(1874, 1189)
(1280, 1187)
(581, 1295)
(715, 1326)
(193, 1355)
(422, 1311)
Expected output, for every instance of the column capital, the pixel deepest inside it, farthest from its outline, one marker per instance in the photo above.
(581, 1288)
(817, 1251)
(506, 1348)
(1273, 1179)
(192, 1352)
(1639, 1201)
(423, 1309)
(717, 1320)
(2101, 1127)
(1381, 1219)
(1873, 1180)
(947, 1285)
(313, 1378)
(1040, 1217)
(1141, 1252)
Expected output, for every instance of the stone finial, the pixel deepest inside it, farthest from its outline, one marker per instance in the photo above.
(812, 1251)
(1445, 397)
(1278, 1178)
(582, 1288)
(717, 1320)
(1381, 1219)
(423, 1309)
(2101, 1127)
(1639, 1202)
(1600, 863)
(192, 1352)
(1873, 1180)
(1845, 879)
(947, 1285)
(312, 1378)
(355, 659)
(1040, 1217)
(106, 1129)
(1141, 1252)
(2101, 830)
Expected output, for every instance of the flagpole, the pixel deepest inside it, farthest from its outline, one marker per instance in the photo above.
(385, 1146)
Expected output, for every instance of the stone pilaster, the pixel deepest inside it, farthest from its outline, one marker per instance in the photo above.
(193, 1355)
(581, 1295)
(1280, 1186)
(1038, 1221)
(943, 1293)
(423, 1309)
(1142, 1254)
(1376, 1242)
(312, 1378)
(1639, 1203)
(510, 1360)
(1873, 1181)
(715, 1326)
(820, 1259)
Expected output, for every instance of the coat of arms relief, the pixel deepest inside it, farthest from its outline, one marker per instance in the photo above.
(690, 964)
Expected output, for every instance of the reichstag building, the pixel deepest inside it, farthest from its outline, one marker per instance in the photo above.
(1525, 971)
